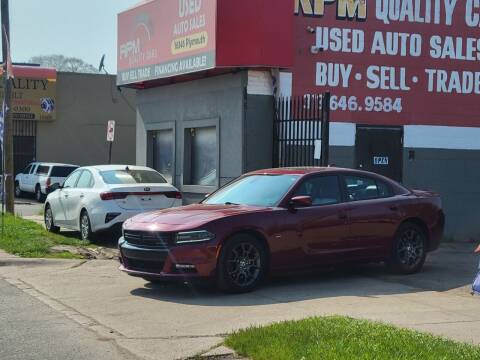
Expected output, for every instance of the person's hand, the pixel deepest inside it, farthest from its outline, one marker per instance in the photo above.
(477, 250)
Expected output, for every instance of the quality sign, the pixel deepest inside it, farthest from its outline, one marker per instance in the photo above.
(165, 38)
(391, 61)
(34, 92)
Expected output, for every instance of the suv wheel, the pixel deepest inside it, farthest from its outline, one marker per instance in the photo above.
(409, 251)
(38, 193)
(18, 191)
(241, 266)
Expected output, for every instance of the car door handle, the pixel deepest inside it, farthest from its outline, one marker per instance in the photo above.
(394, 208)
(65, 195)
(82, 196)
(342, 216)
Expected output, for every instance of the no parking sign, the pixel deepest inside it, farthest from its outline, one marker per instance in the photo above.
(111, 131)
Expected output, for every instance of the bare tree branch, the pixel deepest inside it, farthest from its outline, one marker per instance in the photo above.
(62, 63)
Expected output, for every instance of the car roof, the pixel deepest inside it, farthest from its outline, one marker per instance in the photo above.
(52, 164)
(116, 167)
(298, 170)
(302, 171)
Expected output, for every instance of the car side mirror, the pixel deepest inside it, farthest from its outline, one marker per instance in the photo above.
(54, 187)
(300, 201)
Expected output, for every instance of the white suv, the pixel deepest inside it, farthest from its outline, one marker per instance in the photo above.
(37, 178)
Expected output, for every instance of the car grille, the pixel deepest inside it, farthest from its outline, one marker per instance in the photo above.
(149, 239)
(155, 267)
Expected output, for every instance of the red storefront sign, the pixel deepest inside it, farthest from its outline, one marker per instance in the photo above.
(160, 39)
(391, 61)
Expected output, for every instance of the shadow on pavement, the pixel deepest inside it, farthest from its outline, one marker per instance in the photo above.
(452, 268)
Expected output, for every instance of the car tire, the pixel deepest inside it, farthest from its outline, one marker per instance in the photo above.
(242, 264)
(86, 233)
(409, 250)
(49, 221)
(18, 191)
(38, 194)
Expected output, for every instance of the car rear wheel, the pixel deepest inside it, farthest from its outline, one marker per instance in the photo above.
(38, 194)
(18, 191)
(241, 266)
(409, 251)
(49, 221)
(85, 227)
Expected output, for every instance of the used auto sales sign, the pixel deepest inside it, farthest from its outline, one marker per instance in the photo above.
(164, 38)
(391, 61)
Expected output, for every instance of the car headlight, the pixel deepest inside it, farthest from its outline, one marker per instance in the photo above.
(189, 237)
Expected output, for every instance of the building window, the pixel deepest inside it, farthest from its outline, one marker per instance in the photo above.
(161, 153)
(201, 156)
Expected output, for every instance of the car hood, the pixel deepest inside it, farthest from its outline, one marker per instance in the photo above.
(190, 216)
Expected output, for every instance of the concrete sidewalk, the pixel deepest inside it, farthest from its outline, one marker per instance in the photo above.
(177, 321)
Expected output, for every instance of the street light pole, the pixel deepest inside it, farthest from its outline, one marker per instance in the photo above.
(8, 186)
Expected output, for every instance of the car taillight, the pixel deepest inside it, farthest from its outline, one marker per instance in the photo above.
(49, 182)
(113, 195)
(173, 194)
(123, 195)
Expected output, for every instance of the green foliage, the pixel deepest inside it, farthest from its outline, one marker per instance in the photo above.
(344, 338)
(28, 239)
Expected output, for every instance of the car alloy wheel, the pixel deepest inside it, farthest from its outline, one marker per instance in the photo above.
(410, 248)
(38, 194)
(85, 230)
(49, 222)
(244, 264)
(18, 192)
(409, 251)
(241, 264)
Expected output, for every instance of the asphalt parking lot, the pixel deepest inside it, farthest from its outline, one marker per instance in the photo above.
(27, 207)
(179, 320)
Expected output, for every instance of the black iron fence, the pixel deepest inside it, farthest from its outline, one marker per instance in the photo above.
(301, 131)
(24, 143)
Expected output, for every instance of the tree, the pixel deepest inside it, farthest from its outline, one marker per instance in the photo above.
(62, 63)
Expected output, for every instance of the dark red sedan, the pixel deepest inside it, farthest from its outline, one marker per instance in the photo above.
(279, 220)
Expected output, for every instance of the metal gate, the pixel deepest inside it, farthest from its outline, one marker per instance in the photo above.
(301, 131)
(24, 143)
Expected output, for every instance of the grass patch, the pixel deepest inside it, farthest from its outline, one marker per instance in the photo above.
(28, 239)
(344, 338)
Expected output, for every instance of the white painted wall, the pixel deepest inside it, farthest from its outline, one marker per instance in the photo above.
(442, 137)
(260, 83)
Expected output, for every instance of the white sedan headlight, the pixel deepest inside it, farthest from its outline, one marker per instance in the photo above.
(190, 237)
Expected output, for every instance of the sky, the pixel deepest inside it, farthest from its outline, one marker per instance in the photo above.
(86, 29)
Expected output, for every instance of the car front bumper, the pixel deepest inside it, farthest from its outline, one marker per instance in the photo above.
(180, 262)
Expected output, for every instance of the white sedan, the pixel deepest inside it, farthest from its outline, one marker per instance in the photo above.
(100, 198)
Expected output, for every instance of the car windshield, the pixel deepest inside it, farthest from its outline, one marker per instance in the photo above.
(255, 190)
(116, 177)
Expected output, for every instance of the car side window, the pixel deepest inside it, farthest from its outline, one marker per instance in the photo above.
(364, 188)
(324, 190)
(27, 169)
(86, 180)
(71, 181)
(384, 191)
(42, 170)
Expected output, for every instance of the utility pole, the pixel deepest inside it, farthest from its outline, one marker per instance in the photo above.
(8, 187)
